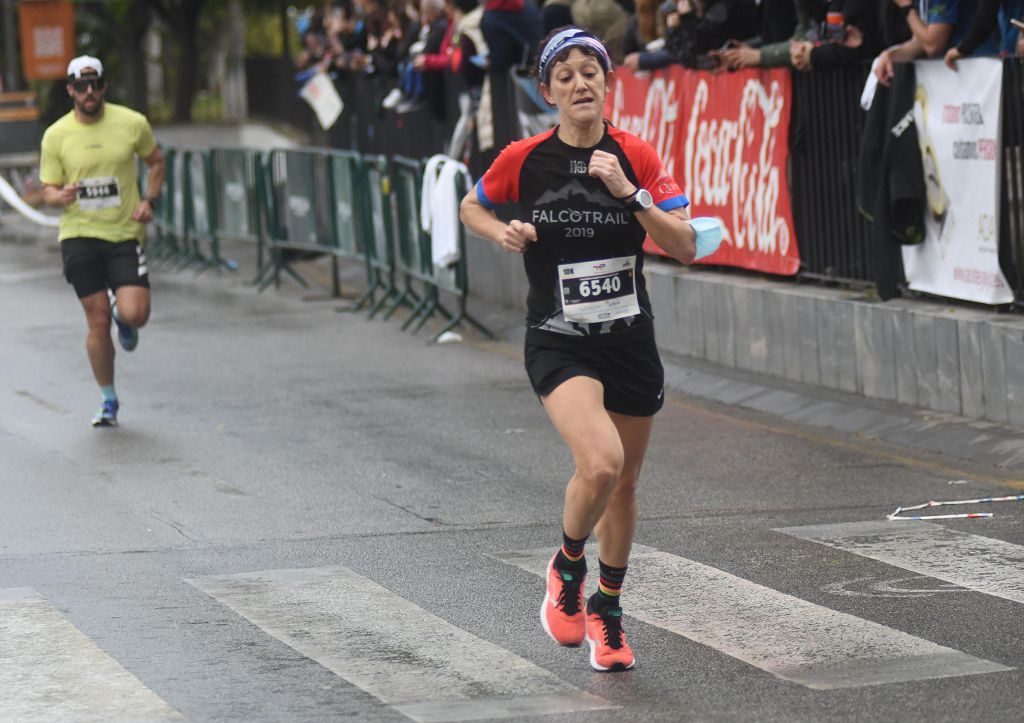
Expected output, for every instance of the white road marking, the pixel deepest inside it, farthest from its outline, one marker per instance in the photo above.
(421, 665)
(50, 670)
(788, 637)
(977, 563)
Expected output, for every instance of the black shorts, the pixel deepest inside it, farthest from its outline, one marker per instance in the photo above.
(632, 375)
(92, 264)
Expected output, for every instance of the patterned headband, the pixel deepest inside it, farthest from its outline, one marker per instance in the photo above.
(567, 39)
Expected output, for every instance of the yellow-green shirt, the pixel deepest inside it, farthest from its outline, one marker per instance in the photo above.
(100, 157)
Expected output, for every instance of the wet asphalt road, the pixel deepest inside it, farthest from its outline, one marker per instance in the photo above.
(269, 432)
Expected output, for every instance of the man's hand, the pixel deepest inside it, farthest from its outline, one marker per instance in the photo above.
(952, 55)
(740, 57)
(60, 196)
(632, 62)
(884, 71)
(418, 62)
(605, 166)
(517, 237)
(800, 55)
(143, 213)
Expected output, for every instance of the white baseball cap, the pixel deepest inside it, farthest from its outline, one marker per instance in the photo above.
(76, 66)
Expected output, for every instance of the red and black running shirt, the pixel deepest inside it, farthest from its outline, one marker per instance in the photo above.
(578, 220)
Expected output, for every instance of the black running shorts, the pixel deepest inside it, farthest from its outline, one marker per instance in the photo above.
(632, 374)
(92, 264)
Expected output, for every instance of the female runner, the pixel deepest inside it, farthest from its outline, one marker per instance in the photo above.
(587, 194)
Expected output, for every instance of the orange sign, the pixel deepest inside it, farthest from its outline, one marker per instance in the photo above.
(47, 37)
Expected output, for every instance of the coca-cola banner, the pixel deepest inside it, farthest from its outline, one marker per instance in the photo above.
(724, 137)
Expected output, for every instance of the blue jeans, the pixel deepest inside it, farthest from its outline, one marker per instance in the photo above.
(511, 37)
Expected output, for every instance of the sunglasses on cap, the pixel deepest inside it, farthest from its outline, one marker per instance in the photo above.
(83, 84)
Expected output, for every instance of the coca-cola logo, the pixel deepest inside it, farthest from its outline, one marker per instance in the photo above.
(729, 165)
(657, 124)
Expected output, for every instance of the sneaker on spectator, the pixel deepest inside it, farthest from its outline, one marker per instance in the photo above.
(408, 106)
(392, 99)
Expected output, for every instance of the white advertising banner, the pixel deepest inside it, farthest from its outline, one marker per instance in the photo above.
(958, 128)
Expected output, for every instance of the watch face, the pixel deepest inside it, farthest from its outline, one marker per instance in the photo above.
(644, 198)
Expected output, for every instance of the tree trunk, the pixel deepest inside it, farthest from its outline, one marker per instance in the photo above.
(186, 27)
(132, 46)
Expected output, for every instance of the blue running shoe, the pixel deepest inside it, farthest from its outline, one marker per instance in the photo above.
(127, 336)
(106, 415)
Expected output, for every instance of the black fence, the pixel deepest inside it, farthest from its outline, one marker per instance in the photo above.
(825, 135)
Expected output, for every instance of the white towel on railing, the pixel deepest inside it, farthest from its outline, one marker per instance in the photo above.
(439, 207)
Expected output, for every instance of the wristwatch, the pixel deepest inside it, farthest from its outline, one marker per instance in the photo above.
(642, 200)
(153, 202)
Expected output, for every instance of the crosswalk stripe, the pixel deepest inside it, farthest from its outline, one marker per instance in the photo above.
(422, 666)
(50, 670)
(977, 563)
(788, 637)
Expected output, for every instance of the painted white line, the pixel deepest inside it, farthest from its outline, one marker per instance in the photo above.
(50, 670)
(421, 665)
(977, 563)
(788, 637)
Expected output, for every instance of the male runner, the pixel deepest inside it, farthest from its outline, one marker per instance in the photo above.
(87, 167)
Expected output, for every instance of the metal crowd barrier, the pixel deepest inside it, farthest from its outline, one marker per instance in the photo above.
(291, 202)
(415, 255)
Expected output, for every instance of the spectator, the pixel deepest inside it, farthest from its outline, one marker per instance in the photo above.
(773, 53)
(943, 26)
(511, 29)
(989, 12)
(857, 38)
(430, 60)
(643, 45)
(385, 41)
(701, 26)
(813, 44)
(469, 50)
(315, 47)
(778, 20)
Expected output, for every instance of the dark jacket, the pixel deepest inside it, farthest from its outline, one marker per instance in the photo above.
(890, 186)
(722, 20)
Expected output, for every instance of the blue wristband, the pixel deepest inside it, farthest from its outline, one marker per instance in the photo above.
(709, 235)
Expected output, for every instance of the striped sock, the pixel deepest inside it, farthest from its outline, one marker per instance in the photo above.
(571, 552)
(609, 585)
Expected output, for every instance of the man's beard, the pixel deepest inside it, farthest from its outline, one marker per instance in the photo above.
(94, 112)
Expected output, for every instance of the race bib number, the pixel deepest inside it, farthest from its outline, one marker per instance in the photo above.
(596, 291)
(97, 193)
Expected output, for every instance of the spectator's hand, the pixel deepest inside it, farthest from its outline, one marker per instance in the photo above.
(741, 57)
(854, 37)
(605, 166)
(952, 55)
(419, 62)
(800, 55)
(884, 71)
(672, 20)
(517, 237)
(632, 62)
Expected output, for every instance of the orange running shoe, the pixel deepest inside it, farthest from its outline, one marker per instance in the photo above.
(608, 647)
(561, 614)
